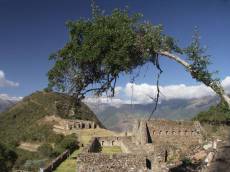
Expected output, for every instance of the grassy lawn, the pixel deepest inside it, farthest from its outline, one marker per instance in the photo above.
(86, 134)
(111, 149)
(69, 165)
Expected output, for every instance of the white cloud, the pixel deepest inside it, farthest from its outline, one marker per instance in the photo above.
(114, 101)
(118, 90)
(6, 83)
(104, 100)
(7, 97)
(226, 84)
(141, 93)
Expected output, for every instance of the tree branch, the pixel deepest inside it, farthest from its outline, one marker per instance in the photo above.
(176, 58)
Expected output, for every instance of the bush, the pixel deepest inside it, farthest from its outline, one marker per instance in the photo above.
(46, 150)
(186, 161)
(7, 158)
(69, 142)
(219, 113)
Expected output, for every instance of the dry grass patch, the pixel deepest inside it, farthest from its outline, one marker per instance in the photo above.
(111, 149)
(32, 147)
(86, 134)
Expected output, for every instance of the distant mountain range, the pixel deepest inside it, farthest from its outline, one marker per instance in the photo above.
(120, 117)
(6, 103)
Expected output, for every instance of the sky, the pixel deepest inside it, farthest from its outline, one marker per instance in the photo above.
(30, 30)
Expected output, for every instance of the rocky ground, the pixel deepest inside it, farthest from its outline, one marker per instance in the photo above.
(212, 156)
(221, 161)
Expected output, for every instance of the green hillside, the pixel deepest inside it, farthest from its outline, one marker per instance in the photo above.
(215, 114)
(118, 117)
(21, 124)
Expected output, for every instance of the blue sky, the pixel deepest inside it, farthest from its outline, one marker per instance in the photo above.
(30, 30)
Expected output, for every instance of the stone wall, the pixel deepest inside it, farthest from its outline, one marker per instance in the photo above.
(139, 130)
(97, 162)
(158, 131)
(68, 126)
(56, 162)
(80, 124)
(125, 142)
(95, 146)
(152, 145)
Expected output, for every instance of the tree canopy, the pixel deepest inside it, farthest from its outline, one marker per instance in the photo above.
(7, 158)
(100, 49)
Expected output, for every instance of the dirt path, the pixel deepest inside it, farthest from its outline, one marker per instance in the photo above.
(32, 147)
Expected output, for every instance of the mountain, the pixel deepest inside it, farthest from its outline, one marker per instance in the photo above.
(23, 123)
(24, 115)
(120, 117)
(6, 103)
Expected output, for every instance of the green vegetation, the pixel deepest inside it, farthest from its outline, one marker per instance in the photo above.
(7, 158)
(69, 142)
(216, 114)
(84, 136)
(46, 150)
(23, 123)
(69, 165)
(186, 161)
(111, 149)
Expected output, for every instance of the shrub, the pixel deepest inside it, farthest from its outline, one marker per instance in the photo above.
(219, 113)
(7, 158)
(69, 142)
(186, 161)
(46, 150)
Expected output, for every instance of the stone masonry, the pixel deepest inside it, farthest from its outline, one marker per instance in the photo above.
(151, 145)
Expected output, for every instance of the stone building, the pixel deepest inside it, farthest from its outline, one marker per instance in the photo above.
(152, 144)
(80, 124)
(66, 126)
(167, 131)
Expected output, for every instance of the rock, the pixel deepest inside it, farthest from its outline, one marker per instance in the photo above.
(208, 146)
(214, 144)
(209, 158)
(199, 155)
(218, 140)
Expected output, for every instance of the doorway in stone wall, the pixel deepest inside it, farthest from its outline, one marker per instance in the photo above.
(149, 139)
(148, 164)
(166, 155)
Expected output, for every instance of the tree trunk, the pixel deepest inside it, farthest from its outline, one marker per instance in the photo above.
(176, 58)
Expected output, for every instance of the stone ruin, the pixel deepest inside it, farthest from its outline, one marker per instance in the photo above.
(80, 124)
(150, 147)
(67, 126)
(162, 131)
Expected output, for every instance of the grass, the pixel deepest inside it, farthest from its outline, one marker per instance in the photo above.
(70, 164)
(111, 149)
(86, 134)
(220, 132)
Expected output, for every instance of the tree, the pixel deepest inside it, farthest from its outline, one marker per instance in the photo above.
(7, 158)
(102, 48)
(46, 150)
(69, 142)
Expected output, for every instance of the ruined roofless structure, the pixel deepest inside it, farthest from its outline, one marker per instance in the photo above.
(162, 131)
(152, 144)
